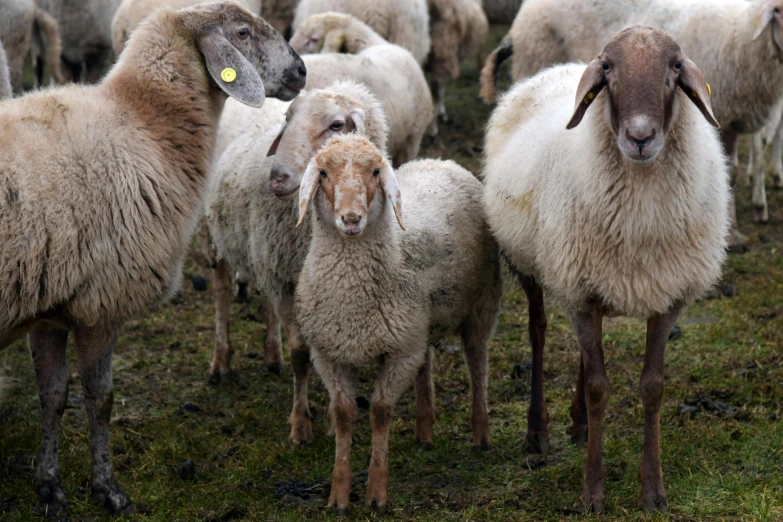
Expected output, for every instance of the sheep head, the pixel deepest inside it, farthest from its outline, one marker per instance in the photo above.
(641, 69)
(349, 170)
(322, 33)
(244, 55)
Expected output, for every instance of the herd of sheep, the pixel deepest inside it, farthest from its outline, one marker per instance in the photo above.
(606, 184)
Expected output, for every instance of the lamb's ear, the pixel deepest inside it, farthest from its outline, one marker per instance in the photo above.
(591, 83)
(334, 42)
(273, 148)
(230, 70)
(358, 118)
(392, 190)
(764, 19)
(692, 82)
(307, 188)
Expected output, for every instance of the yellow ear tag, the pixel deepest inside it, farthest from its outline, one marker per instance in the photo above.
(709, 90)
(589, 97)
(228, 75)
(693, 93)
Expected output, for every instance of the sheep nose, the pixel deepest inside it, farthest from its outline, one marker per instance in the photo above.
(641, 137)
(351, 218)
(278, 179)
(302, 70)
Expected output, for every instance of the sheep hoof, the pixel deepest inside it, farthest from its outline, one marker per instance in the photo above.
(53, 497)
(579, 436)
(113, 499)
(274, 368)
(738, 243)
(760, 215)
(217, 377)
(484, 445)
(425, 445)
(342, 511)
(378, 508)
(538, 442)
(654, 504)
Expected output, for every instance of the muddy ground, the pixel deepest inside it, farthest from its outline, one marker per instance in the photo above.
(186, 450)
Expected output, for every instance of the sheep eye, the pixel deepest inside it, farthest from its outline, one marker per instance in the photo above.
(678, 65)
(605, 66)
(322, 173)
(376, 172)
(243, 33)
(337, 125)
(777, 10)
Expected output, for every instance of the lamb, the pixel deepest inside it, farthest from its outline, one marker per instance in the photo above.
(370, 293)
(252, 228)
(387, 69)
(402, 22)
(102, 185)
(501, 11)
(5, 77)
(625, 214)
(459, 28)
(131, 12)
(749, 37)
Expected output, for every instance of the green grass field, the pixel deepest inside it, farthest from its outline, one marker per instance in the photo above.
(722, 433)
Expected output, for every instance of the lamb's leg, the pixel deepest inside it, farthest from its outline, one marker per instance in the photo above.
(220, 368)
(94, 347)
(425, 403)
(653, 496)
(301, 427)
(394, 376)
(439, 89)
(579, 431)
(475, 337)
(736, 239)
(537, 417)
(47, 347)
(760, 209)
(777, 155)
(745, 177)
(339, 379)
(273, 343)
(588, 327)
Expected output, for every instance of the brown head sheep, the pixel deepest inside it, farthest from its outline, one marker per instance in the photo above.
(101, 187)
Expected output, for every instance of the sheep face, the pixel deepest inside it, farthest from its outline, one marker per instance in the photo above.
(641, 69)
(245, 56)
(310, 121)
(321, 33)
(349, 170)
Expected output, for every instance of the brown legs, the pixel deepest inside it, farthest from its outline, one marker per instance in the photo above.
(653, 496)
(537, 417)
(425, 409)
(220, 367)
(730, 140)
(579, 410)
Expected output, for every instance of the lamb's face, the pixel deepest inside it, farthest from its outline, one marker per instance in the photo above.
(319, 32)
(641, 69)
(310, 121)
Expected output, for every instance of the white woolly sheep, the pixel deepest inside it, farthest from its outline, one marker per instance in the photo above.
(372, 293)
(458, 30)
(101, 187)
(402, 22)
(390, 72)
(252, 228)
(5, 76)
(627, 213)
(130, 13)
(747, 37)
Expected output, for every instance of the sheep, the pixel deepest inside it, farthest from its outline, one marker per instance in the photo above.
(5, 77)
(756, 171)
(501, 11)
(369, 292)
(388, 69)
(402, 22)
(279, 14)
(101, 188)
(131, 12)
(625, 214)
(749, 37)
(459, 28)
(252, 228)
(20, 20)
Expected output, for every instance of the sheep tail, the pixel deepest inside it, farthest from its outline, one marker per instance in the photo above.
(489, 74)
(47, 25)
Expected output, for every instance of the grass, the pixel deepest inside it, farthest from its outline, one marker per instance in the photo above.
(723, 462)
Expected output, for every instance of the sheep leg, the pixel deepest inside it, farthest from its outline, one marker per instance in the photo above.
(745, 177)
(537, 416)
(760, 209)
(653, 496)
(301, 427)
(475, 337)
(394, 376)
(579, 431)
(220, 368)
(425, 400)
(94, 348)
(588, 327)
(273, 343)
(777, 155)
(47, 347)
(340, 380)
(736, 239)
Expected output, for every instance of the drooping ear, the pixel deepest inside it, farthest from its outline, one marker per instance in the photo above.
(764, 19)
(334, 42)
(230, 70)
(591, 83)
(358, 119)
(692, 82)
(392, 190)
(308, 186)
(273, 148)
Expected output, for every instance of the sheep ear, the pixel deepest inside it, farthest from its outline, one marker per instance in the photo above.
(307, 188)
(764, 19)
(334, 42)
(591, 83)
(392, 190)
(273, 148)
(230, 70)
(359, 119)
(692, 82)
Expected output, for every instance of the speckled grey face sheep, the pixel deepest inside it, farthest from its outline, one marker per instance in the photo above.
(392, 267)
(626, 213)
(390, 71)
(100, 188)
(402, 22)
(722, 36)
